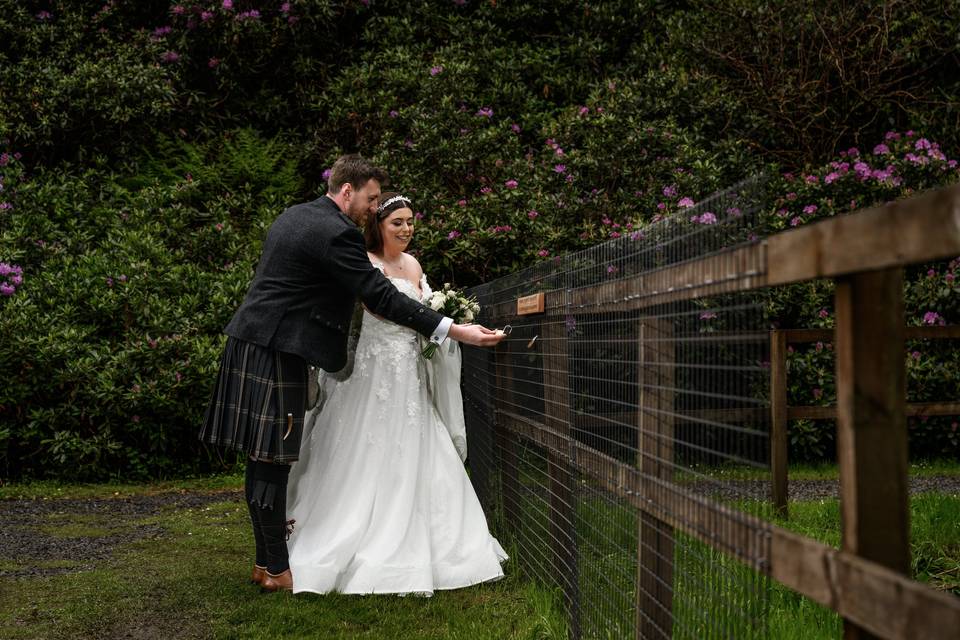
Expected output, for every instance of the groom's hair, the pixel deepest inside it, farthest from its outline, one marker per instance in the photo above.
(356, 170)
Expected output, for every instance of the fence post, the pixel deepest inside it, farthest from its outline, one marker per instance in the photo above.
(778, 421)
(507, 444)
(655, 541)
(556, 408)
(871, 421)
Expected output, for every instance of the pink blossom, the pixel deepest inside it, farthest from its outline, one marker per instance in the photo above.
(614, 234)
(810, 208)
(285, 8)
(515, 128)
(453, 235)
(227, 4)
(853, 152)
(933, 318)
(135, 418)
(734, 212)
(543, 253)
(213, 63)
(670, 191)
(560, 168)
(823, 313)
(511, 184)
(881, 150)
(584, 111)
(891, 135)
(819, 346)
(462, 202)
(795, 221)
(818, 393)
(708, 218)
(170, 56)
(812, 179)
(661, 206)
(485, 112)
(685, 203)
(7, 289)
(436, 70)
(831, 177)
(206, 15)
(949, 277)
(532, 214)
(791, 196)
(708, 315)
(921, 144)
(612, 269)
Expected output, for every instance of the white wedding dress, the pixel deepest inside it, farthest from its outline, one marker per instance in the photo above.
(380, 496)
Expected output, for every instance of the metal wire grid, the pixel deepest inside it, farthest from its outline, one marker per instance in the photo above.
(602, 432)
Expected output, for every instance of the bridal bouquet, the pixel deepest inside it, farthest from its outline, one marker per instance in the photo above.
(453, 304)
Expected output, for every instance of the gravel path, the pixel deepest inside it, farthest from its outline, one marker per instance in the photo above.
(24, 544)
(810, 489)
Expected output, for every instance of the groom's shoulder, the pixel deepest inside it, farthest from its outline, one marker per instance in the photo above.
(320, 214)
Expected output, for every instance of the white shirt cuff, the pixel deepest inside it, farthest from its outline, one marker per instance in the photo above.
(440, 333)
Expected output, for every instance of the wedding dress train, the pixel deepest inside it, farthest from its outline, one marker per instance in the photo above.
(380, 496)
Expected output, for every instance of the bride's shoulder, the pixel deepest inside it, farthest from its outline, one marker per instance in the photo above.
(415, 268)
(375, 260)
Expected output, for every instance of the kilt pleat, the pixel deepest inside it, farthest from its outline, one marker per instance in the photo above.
(258, 402)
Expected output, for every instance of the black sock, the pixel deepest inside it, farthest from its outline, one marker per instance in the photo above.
(248, 484)
(270, 500)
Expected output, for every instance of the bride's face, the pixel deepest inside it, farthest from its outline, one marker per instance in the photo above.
(397, 229)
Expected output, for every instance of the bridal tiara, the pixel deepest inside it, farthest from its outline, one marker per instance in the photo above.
(384, 205)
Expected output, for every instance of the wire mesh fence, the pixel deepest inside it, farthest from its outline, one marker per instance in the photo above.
(599, 429)
(608, 430)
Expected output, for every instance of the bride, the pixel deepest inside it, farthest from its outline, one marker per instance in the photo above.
(380, 497)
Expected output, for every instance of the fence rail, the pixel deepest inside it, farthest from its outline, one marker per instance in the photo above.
(580, 425)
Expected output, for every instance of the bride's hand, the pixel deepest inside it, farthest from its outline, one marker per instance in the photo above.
(475, 334)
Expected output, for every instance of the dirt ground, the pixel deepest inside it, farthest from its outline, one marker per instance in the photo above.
(26, 550)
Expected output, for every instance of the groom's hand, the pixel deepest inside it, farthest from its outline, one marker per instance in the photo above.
(475, 334)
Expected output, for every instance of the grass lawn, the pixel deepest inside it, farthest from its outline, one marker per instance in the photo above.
(189, 580)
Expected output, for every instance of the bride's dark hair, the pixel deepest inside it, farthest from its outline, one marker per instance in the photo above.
(371, 230)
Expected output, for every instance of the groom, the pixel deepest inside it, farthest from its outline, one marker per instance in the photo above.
(297, 311)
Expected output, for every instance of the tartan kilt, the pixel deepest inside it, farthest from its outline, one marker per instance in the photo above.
(258, 402)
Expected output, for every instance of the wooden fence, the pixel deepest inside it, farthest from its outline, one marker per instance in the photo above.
(866, 580)
(781, 413)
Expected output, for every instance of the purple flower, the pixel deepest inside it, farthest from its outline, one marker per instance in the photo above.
(437, 70)
(453, 235)
(795, 222)
(253, 14)
(708, 315)
(485, 190)
(515, 128)
(511, 184)
(818, 393)
(949, 278)
(543, 253)
(891, 135)
(285, 8)
(122, 278)
(177, 10)
(584, 111)
(670, 192)
(206, 15)
(811, 179)
(5, 205)
(532, 214)
(109, 281)
(734, 212)
(418, 215)
(612, 269)
(227, 4)
(7, 289)
(810, 208)
(560, 168)
(213, 63)
(921, 144)
(707, 218)
(915, 355)
(830, 177)
(823, 313)
(326, 174)
(160, 32)
(394, 113)
(44, 15)
(881, 150)
(933, 318)
(685, 203)
(485, 112)
(853, 152)
(462, 202)
(170, 56)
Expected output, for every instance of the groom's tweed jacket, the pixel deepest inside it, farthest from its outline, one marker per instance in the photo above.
(313, 268)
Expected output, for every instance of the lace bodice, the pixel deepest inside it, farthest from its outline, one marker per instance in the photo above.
(385, 343)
